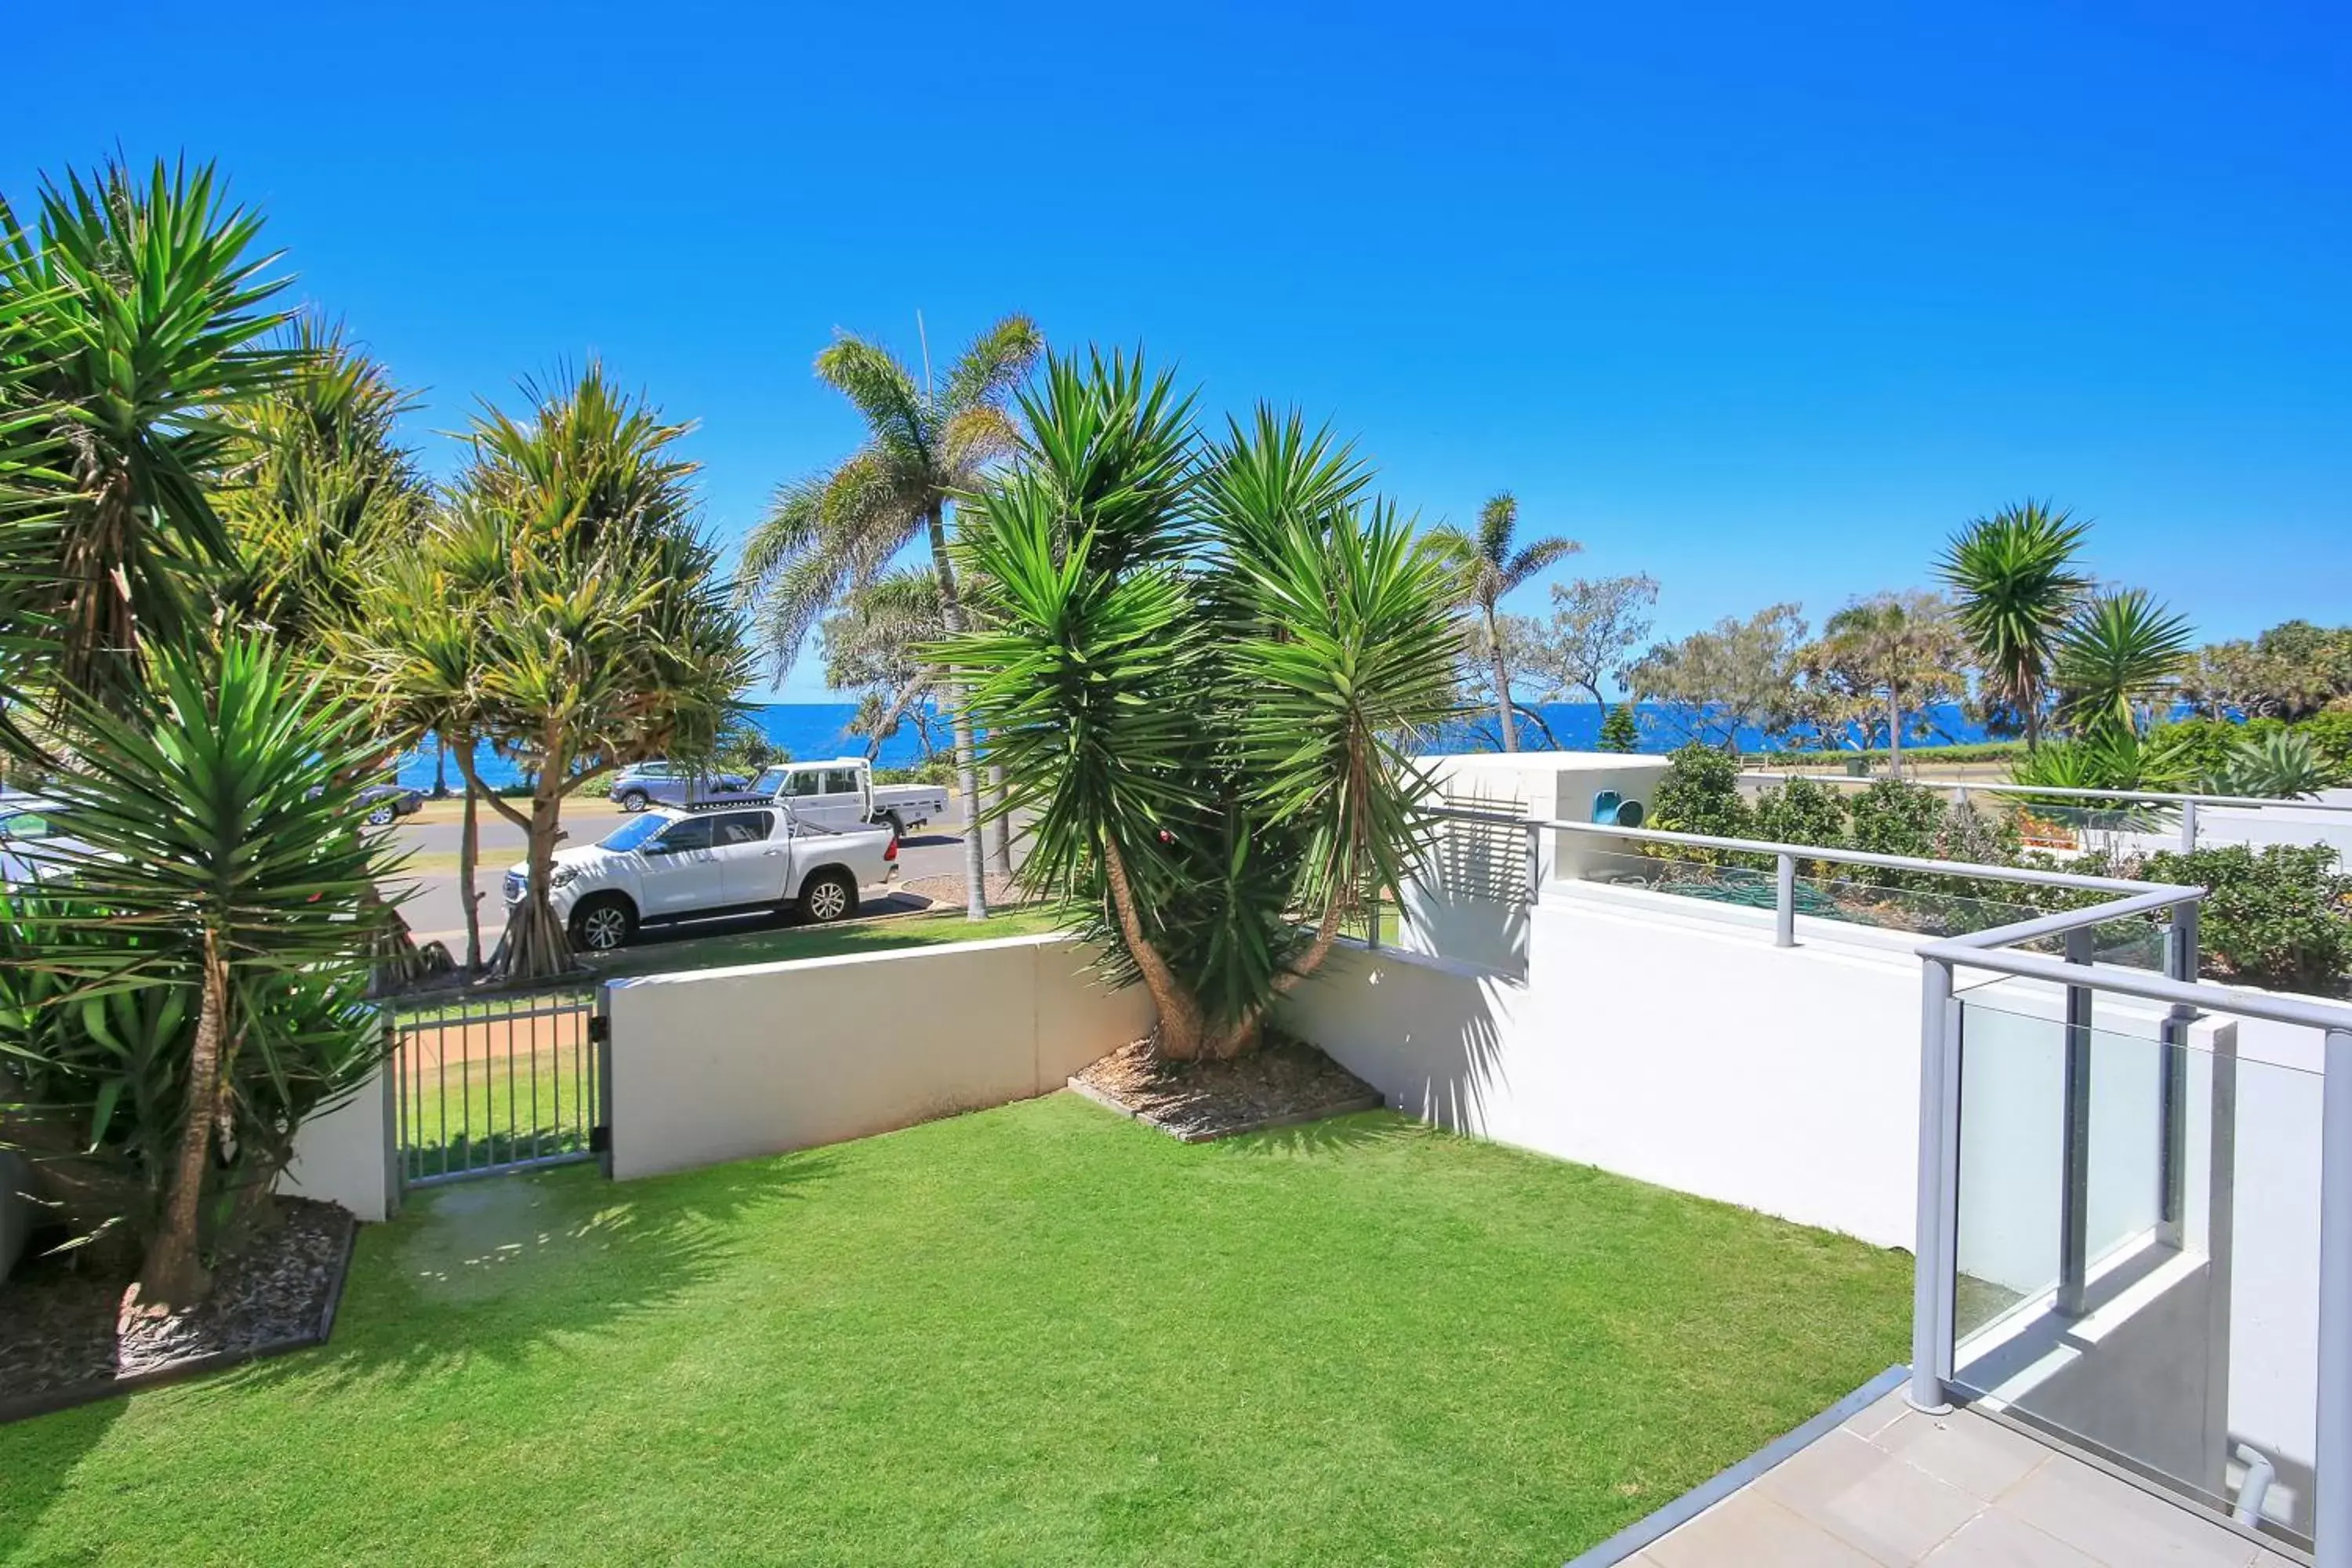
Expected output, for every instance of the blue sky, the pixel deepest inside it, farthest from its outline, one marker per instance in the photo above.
(1761, 300)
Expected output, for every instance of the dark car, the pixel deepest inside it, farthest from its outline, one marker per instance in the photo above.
(381, 803)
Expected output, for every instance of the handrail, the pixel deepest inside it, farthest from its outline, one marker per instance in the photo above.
(2020, 874)
(2004, 786)
(2279, 1007)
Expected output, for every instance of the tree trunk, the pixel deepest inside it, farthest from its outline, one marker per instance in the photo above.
(1502, 682)
(535, 942)
(468, 857)
(1001, 830)
(975, 863)
(440, 768)
(1178, 1036)
(1894, 734)
(174, 1276)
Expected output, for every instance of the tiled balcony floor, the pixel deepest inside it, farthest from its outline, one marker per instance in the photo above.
(1893, 1487)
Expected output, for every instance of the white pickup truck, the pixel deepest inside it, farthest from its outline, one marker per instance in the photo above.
(667, 865)
(841, 793)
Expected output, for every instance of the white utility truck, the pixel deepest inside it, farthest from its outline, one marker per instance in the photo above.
(841, 793)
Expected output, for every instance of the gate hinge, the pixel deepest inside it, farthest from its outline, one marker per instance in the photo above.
(600, 1028)
(600, 1140)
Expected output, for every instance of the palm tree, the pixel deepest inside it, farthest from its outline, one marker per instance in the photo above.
(149, 316)
(2015, 582)
(839, 531)
(2120, 652)
(1489, 570)
(1891, 653)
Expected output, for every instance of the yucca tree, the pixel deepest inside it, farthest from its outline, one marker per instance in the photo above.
(1489, 568)
(836, 532)
(2120, 653)
(213, 952)
(2015, 582)
(602, 630)
(142, 308)
(1202, 667)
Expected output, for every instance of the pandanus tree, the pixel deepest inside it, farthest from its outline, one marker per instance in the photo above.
(836, 532)
(601, 630)
(1489, 568)
(2015, 582)
(1202, 666)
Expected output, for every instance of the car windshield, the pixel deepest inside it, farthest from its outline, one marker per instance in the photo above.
(632, 834)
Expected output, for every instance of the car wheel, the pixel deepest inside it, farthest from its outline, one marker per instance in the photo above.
(829, 896)
(603, 924)
(635, 800)
(378, 816)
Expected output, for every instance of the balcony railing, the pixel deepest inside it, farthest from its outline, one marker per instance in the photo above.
(2133, 1228)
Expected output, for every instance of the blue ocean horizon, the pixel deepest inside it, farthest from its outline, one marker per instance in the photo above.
(818, 729)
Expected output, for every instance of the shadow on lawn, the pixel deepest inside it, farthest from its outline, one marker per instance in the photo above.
(527, 1264)
(37, 1460)
(1353, 1131)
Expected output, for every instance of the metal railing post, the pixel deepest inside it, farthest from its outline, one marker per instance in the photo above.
(2181, 963)
(1535, 863)
(1784, 903)
(2074, 1139)
(1935, 1244)
(2189, 826)
(2332, 1515)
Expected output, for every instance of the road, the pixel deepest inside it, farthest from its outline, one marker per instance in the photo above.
(434, 912)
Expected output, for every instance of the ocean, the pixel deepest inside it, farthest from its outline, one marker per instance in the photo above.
(817, 730)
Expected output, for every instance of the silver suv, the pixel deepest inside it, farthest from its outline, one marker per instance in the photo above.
(642, 784)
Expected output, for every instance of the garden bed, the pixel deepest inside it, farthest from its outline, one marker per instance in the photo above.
(60, 1345)
(1283, 1082)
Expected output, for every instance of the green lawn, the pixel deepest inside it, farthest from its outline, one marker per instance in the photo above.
(1041, 1334)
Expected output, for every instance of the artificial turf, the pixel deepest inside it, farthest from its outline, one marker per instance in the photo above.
(1040, 1334)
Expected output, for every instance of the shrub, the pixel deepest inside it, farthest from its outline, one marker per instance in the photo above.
(1801, 811)
(2331, 732)
(1891, 818)
(2279, 917)
(1700, 794)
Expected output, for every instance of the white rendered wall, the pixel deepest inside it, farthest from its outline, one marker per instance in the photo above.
(346, 1155)
(725, 1064)
(1691, 1053)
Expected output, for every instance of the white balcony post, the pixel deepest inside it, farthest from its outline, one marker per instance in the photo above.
(2332, 1516)
(2187, 827)
(1784, 903)
(1935, 1244)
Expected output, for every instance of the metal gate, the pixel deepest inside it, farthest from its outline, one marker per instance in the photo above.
(487, 1084)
